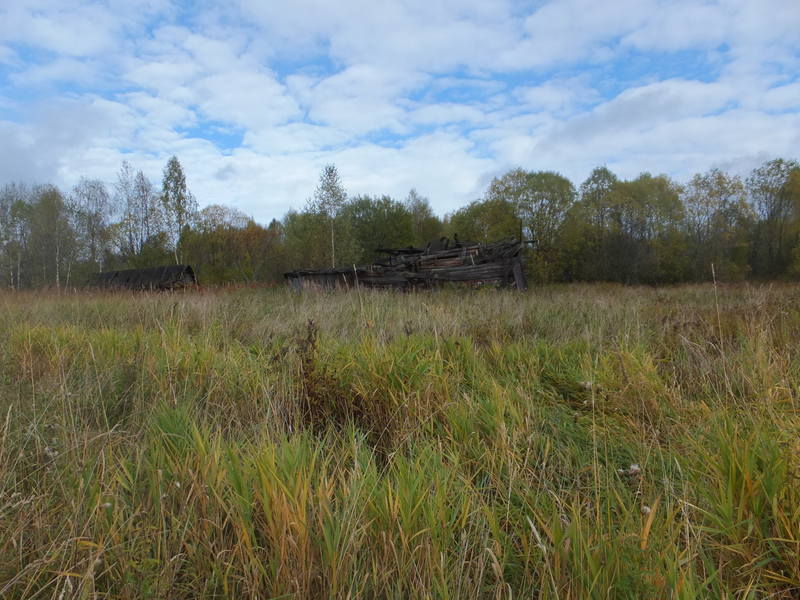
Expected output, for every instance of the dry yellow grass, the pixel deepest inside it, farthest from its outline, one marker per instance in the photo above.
(258, 444)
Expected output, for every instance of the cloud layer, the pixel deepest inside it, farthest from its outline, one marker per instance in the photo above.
(255, 97)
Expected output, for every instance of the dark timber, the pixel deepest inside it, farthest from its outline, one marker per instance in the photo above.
(168, 277)
(498, 263)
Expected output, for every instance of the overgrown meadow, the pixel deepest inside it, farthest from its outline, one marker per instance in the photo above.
(567, 442)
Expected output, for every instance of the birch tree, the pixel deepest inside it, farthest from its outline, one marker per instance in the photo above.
(329, 198)
(178, 204)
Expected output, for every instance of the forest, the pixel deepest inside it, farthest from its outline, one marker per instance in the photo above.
(647, 230)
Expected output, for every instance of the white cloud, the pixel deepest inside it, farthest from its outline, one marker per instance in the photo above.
(60, 70)
(434, 95)
(245, 98)
(562, 97)
(446, 112)
(7, 55)
(359, 99)
(440, 165)
(565, 31)
(406, 36)
(679, 25)
(159, 111)
(781, 97)
(75, 29)
(295, 137)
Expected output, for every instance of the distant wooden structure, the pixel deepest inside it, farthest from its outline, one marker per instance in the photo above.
(169, 277)
(498, 263)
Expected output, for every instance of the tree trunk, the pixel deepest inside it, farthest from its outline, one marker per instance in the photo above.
(333, 252)
(58, 264)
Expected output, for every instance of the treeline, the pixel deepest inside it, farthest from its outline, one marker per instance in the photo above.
(647, 230)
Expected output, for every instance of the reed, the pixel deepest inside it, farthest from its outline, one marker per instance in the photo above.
(570, 442)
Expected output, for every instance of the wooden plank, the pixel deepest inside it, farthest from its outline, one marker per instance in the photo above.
(519, 274)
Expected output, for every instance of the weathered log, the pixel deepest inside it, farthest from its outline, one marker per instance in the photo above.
(498, 262)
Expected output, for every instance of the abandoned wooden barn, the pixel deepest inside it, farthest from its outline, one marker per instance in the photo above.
(498, 263)
(169, 277)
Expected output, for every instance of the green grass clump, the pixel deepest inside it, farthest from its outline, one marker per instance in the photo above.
(571, 442)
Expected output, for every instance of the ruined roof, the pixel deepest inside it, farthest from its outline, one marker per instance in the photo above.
(468, 262)
(152, 278)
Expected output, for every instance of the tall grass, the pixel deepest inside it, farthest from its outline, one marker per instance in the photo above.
(571, 442)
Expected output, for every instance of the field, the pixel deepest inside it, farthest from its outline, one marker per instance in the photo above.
(569, 442)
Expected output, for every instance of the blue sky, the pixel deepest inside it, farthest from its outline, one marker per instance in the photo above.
(255, 97)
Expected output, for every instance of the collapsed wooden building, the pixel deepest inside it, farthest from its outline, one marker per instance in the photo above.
(498, 263)
(169, 277)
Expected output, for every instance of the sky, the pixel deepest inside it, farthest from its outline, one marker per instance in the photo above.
(256, 96)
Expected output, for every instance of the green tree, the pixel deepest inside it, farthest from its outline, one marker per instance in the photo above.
(6, 237)
(626, 231)
(228, 246)
(215, 216)
(125, 234)
(52, 247)
(15, 207)
(587, 229)
(486, 221)
(378, 223)
(593, 194)
(178, 203)
(93, 210)
(141, 234)
(647, 244)
(775, 233)
(329, 198)
(793, 190)
(426, 226)
(718, 222)
(541, 200)
(301, 234)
